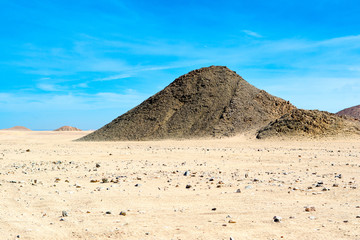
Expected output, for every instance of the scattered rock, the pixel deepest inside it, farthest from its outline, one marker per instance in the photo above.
(64, 213)
(319, 184)
(310, 209)
(105, 180)
(277, 219)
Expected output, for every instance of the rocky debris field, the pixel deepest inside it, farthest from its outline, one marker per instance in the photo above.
(235, 188)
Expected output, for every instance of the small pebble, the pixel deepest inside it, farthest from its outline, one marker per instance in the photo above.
(104, 180)
(64, 214)
(310, 209)
(277, 219)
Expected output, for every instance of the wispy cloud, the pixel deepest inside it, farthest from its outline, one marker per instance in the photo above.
(120, 61)
(114, 77)
(264, 61)
(59, 102)
(49, 87)
(252, 34)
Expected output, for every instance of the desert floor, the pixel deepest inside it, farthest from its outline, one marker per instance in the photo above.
(235, 188)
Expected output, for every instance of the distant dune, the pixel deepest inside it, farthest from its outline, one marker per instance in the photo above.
(17, 128)
(68, 128)
(351, 111)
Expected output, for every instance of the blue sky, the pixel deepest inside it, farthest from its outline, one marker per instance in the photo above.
(83, 63)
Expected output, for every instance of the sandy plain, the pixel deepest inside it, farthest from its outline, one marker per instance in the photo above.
(235, 188)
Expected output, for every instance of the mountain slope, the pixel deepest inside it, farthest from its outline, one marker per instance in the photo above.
(310, 123)
(351, 111)
(212, 101)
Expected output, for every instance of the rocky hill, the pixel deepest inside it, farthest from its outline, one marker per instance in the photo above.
(208, 102)
(351, 111)
(67, 128)
(310, 124)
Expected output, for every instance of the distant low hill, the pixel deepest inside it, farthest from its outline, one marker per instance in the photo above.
(351, 111)
(17, 128)
(67, 128)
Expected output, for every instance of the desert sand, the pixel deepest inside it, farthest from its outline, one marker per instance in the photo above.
(55, 188)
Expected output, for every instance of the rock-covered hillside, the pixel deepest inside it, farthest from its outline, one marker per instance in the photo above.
(351, 111)
(212, 101)
(310, 123)
(67, 128)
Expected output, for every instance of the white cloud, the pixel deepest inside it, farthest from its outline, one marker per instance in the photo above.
(49, 87)
(82, 85)
(277, 62)
(114, 77)
(68, 102)
(252, 34)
